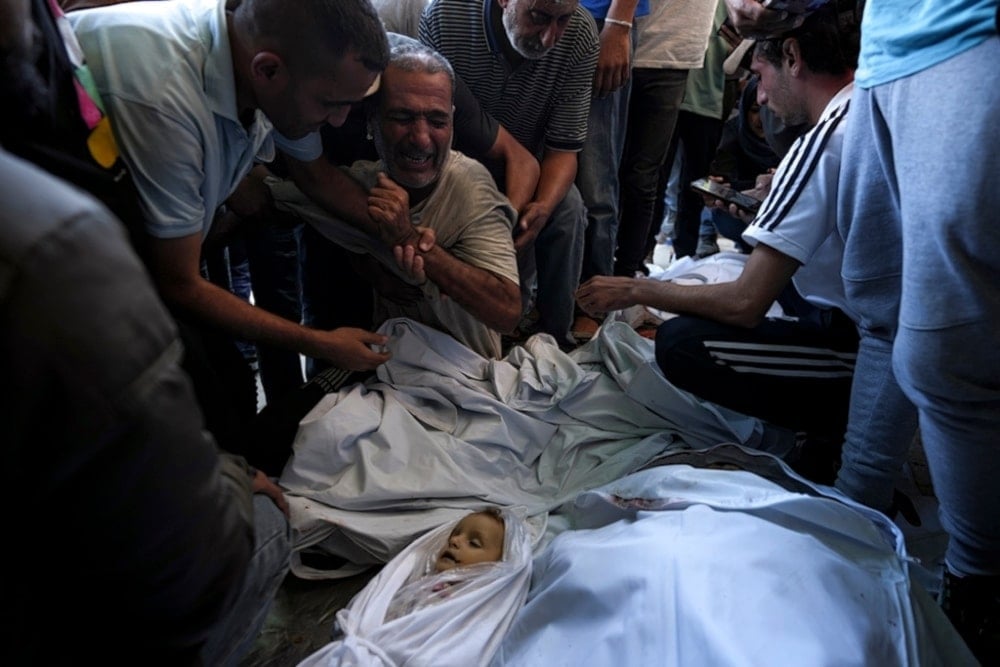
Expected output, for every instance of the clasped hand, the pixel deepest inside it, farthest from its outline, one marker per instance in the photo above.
(389, 208)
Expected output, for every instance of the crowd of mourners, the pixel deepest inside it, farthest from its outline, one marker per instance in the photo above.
(195, 194)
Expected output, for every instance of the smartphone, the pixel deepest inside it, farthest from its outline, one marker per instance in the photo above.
(707, 186)
(794, 6)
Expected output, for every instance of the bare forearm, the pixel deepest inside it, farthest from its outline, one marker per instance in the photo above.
(210, 303)
(722, 302)
(521, 168)
(558, 171)
(493, 300)
(743, 302)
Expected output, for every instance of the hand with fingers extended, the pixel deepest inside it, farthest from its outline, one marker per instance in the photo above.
(603, 294)
(351, 349)
(530, 224)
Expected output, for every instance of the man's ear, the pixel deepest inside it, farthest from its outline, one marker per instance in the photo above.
(503, 3)
(791, 53)
(267, 69)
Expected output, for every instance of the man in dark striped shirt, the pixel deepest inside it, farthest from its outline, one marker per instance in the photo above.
(793, 371)
(530, 63)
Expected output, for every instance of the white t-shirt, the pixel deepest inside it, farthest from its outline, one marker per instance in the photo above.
(674, 35)
(799, 217)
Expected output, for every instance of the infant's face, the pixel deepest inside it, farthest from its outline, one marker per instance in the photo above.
(478, 538)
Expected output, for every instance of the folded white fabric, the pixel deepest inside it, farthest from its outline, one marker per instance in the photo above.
(409, 614)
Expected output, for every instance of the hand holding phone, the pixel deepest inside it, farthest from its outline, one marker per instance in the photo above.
(706, 186)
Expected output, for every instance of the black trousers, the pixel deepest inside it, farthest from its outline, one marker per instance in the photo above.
(795, 374)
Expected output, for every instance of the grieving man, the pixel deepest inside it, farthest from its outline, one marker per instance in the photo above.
(467, 283)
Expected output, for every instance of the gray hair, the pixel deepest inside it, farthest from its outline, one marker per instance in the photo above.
(410, 55)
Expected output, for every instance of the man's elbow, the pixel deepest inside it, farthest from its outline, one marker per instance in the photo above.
(746, 313)
(508, 312)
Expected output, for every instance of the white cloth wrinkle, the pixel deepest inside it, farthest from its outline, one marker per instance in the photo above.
(726, 567)
(441, 427)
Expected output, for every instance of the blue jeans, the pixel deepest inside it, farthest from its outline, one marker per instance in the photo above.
(597, 178)
(919, 218)
(555, 259)
(236, 633)
(276, 277)
(653, 107)
(730, 227)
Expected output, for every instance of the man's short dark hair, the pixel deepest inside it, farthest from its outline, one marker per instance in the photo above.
(305, 32)
(829, 39)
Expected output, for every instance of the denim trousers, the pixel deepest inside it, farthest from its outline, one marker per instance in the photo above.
(276, 278)
(919, 217)
(552, 264)
(235, 634)
(597, 178)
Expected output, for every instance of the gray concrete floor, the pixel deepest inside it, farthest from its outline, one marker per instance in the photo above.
(301, 619)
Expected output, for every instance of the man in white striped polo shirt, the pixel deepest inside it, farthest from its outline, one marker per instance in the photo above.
(795, 373)
(530, 63)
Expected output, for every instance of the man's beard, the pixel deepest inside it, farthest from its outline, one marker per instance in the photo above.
(529, 47)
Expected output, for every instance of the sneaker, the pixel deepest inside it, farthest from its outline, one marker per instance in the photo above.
(973, 605)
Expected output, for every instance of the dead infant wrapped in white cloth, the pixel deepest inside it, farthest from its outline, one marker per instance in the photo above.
(429, 606)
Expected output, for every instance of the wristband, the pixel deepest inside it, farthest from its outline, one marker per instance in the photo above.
(624, 24)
